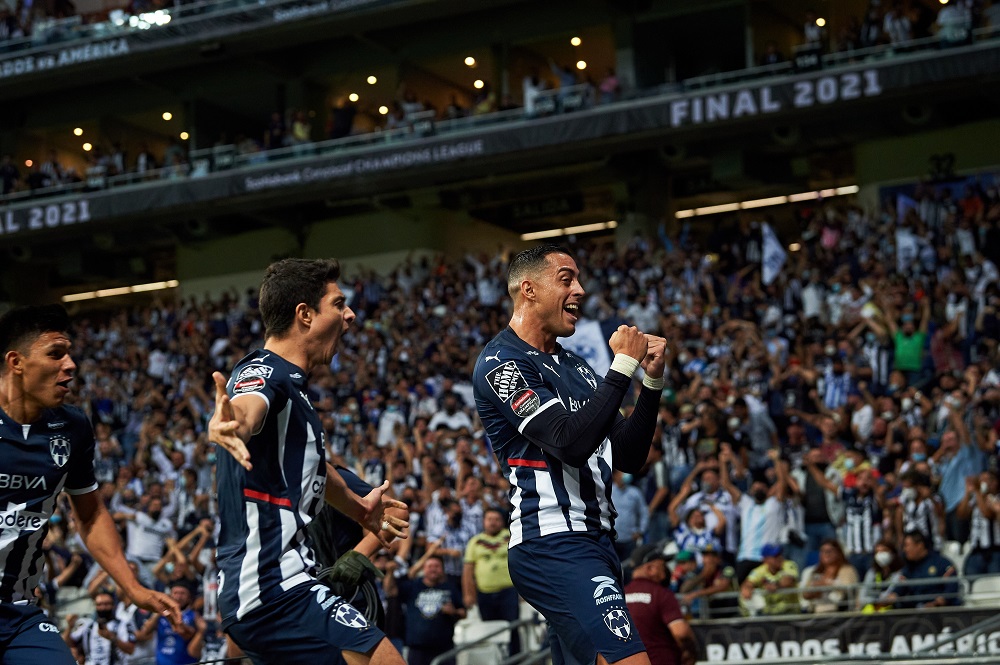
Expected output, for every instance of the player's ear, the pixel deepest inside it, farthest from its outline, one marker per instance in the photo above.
(13, 362)
(528, 289)
(304, 314)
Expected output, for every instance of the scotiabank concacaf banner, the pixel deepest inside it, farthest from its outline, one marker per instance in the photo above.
(900, 633)
(353, 168)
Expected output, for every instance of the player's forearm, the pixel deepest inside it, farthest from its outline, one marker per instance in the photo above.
(632, 437)
(103, 542)
(340, 496)
(573, 438)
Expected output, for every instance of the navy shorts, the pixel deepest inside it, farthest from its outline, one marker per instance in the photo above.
(307, 625)
(575, 581)
(27, 637)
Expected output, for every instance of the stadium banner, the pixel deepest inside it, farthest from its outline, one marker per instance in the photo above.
(899, 632)
(336, 168)
(158, 29)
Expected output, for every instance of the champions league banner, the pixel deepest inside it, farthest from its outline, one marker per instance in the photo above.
(336, 169)
(899, 633)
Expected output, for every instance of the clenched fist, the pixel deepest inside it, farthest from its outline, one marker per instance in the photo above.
(629, 341)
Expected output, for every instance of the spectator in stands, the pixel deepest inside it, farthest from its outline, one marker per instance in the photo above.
(658, 619)
(275, 136)
(713, 577)
(957, 458)
(981, 505)
(710, 494)
(923, 563)
(300, 136)
(450, 421)
(909, 341)
(633, 514)
(610, 87)
(896, 24)
(433, 606)
(771, 56)
(920, 510)
(776, 579)
(102, 639)
(9, 175)
(454, 536)
(815, 34)
(486, 582)
(835, 575)
(880, 578)
(172, 641)
(691, 532)
(954, 23)
(148, 529)
(761, 511)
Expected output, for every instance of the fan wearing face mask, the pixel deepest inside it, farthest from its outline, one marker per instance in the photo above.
(884, 573)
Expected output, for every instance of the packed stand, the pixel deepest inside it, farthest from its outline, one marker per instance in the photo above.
(836, 427)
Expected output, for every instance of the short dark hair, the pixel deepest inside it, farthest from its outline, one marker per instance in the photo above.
(918, 536)
(499, 511)
(528, 262)
(21, 326)
(289, 282)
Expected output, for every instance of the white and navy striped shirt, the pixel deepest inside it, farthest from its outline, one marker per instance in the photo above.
(984, 533)
(922, 517)
(264, 549)
(514, 384)
(862, 528)
(37, 462)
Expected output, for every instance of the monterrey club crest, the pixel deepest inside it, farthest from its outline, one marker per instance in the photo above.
(59, 449)
(617, 622)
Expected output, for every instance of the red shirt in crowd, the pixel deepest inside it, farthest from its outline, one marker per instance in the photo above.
(654, 607)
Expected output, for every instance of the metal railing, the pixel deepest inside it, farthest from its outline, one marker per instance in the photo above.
(484, 640)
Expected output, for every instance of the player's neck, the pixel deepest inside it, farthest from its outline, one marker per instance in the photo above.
(16, 403)
(292, 350)
(531, 331)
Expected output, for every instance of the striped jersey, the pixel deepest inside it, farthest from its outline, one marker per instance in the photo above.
(515, 384)
(862, 528)
(984, 533)
(264, 549)
(37, 461)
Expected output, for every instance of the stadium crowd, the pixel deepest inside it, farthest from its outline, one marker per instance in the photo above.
(844, 417)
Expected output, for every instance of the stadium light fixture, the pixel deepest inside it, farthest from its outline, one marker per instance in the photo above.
(821, 22)
(581, 64)
(372, 80)
(185, 136)
(569, 230)
(87, 147)
(478, 84)
(28, 163)
(470, 61)
(78, 131)
(353, 97)
(167, 115)
(770, 201)
(575, 41)
(121, 290)
(384, 110)
(794, 247)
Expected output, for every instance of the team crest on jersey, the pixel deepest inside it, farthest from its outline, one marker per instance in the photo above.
(346, 614)
(506, 379)
(617, 622)
(251, 371)
(587, 375)
(430, 602)
(59, 449)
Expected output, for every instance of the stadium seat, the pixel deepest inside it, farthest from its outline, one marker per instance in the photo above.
(954, 552)
(489, 653)
(532, 635)
(985, 592)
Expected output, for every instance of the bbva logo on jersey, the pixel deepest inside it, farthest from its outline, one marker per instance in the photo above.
(59, 449)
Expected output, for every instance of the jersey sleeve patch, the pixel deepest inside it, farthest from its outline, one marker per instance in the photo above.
(250, 384)
(506, 380)
(525, 402)
(254, 371)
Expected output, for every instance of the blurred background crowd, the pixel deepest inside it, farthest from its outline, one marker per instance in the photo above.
(835, 426)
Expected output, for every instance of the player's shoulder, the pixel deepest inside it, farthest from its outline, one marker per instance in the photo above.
(260, 369)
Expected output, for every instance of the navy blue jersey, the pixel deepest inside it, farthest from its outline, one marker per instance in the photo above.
(516, 385)
(36, 462)
(264, 549)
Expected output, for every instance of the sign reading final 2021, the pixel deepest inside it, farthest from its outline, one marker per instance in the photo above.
(753, 101)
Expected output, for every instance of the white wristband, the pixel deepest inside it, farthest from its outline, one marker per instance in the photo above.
(653, 384)
(624, 364)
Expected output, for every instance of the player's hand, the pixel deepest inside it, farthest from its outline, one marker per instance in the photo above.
(656, 354)
(159, 604)
(223, 427)
(376, 520)
(629, 341)
(351, 567)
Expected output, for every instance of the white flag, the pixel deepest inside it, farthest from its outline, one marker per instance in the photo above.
(774, 255)
(588, 342)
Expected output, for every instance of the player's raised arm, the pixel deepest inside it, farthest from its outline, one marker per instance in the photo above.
(632, 437)
(233, 424)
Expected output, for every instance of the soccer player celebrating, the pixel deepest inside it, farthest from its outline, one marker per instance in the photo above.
(274, 483)
(557, 433)
(47, 448)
